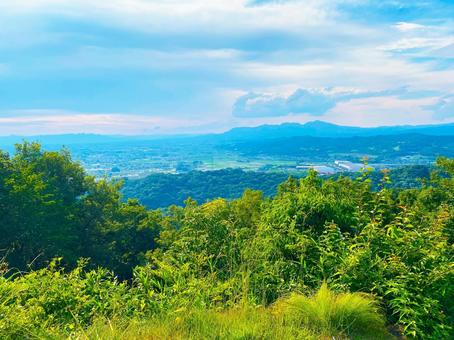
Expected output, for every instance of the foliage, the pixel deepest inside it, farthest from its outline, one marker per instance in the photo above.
(323, 315)
(52, 304)
(49, 207)
(50, 300)
(238, 259)
(161, 190)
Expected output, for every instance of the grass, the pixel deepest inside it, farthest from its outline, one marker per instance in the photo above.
(352, 315)
(325, 315)
(238, 323)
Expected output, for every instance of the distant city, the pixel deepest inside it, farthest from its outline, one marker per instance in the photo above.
(289, 148)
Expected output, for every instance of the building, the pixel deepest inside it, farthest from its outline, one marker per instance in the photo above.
(349, 166)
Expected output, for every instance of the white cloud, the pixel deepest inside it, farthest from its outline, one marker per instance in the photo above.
(302, 101)
(408, 26)
(177, 16)
(362, 67)
(313, 102)
(419, 43)
(415, 40)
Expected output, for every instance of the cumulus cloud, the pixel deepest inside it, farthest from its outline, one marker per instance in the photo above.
(313, 102)
(302, 101)
(259, 105)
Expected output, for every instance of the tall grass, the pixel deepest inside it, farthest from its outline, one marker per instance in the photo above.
(353, 315)
(53, 304)
(237, 323)
(322, 316)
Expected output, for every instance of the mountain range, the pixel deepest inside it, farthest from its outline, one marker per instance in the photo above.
(285, 130)
(323, 129)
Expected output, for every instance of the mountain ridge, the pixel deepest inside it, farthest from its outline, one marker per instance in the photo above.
(316, 128)
(324, 129)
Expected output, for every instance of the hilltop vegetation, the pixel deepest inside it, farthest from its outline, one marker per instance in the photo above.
(252, 267)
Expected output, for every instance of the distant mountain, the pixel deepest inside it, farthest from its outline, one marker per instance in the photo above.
(323, 129)
(286, 130)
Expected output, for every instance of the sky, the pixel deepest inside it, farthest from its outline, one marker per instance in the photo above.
(164, 67)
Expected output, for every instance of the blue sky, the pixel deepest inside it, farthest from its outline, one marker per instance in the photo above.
(158, 67)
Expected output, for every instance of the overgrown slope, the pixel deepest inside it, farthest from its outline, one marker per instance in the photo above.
(223, 257)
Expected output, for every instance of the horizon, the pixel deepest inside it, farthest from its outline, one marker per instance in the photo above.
(226, 130)
(208, 133)
(146, 67)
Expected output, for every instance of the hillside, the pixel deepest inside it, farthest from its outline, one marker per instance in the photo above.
(323, 258)
(163, 190)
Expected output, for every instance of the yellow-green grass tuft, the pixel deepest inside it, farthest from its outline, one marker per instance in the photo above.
(352, 315)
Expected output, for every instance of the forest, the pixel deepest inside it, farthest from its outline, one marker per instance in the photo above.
(161, 190)
(337, 258)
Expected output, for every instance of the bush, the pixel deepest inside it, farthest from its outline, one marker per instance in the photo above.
(49, 301)
(354, 315)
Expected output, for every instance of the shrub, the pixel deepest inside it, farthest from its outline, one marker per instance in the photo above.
(50, 300)
(355, 315)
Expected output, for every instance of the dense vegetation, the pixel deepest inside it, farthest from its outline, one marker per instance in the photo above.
(49, 207)
(253, 267)
(162, 190)
(404, 177)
